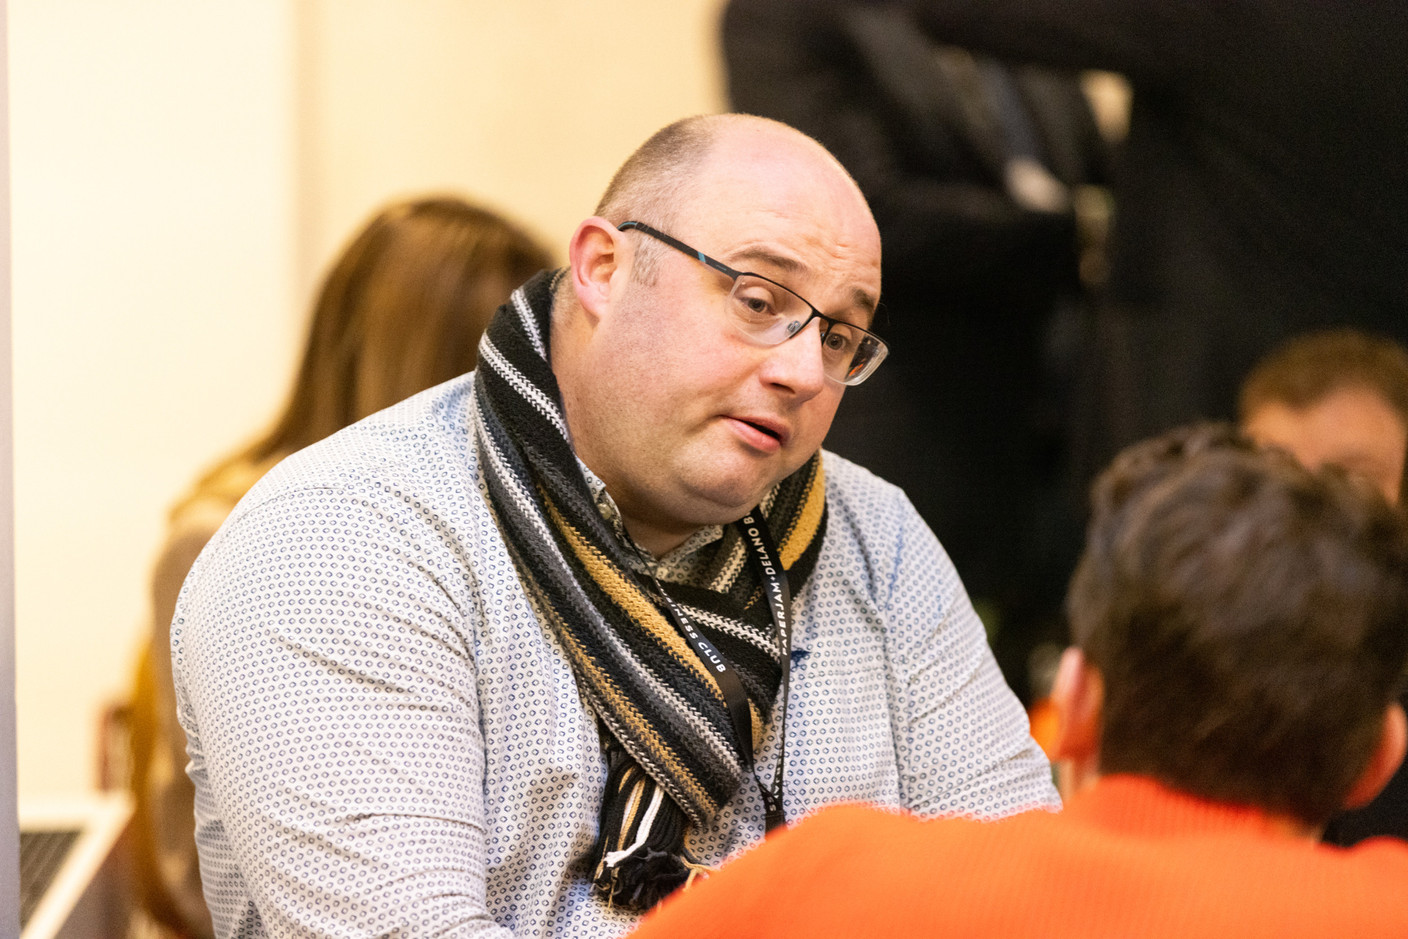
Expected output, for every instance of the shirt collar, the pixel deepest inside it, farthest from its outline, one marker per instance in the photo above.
(675, 565)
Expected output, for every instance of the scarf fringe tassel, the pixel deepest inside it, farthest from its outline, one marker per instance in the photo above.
(641, 858)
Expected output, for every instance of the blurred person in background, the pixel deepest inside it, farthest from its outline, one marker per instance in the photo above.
(1238, 626)
(401, 309)
(1259, 193)
(1336, 397)
(1340, 398)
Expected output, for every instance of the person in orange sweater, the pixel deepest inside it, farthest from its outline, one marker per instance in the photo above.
(1238, 625)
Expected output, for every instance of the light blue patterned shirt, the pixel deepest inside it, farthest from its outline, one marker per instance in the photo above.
(384, 740)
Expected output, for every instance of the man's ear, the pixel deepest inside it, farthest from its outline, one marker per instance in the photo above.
(596, 256)
(1388, 754)
(1079, 696)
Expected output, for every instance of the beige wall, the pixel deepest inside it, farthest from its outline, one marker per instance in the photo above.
(527, 104)
(181, 173)
(152, 170)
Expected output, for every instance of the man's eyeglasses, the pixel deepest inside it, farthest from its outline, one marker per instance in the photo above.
(769, 313)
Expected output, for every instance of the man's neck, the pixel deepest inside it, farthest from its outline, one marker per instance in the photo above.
(657, 541)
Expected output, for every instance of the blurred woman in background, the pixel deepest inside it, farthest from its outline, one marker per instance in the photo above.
(401, 310)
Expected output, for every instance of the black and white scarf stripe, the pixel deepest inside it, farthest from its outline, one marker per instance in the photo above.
(665, 714)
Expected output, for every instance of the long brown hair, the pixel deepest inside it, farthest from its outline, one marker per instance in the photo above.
(401, 310)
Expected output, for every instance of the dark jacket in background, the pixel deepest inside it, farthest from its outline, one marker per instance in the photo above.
(1262, 189)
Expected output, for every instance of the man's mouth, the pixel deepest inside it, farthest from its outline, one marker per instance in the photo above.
(773, 432)
(765, 429)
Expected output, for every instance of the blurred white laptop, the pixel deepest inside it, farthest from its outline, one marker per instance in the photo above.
(73, 870)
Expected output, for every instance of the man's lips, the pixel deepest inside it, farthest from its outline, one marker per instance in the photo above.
(765, 433)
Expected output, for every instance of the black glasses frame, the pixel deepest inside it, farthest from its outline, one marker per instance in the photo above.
(827, 322)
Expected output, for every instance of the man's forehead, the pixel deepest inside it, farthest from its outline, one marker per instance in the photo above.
(771, 200)
(767, 260)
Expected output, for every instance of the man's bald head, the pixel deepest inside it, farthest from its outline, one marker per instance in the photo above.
(667, 174)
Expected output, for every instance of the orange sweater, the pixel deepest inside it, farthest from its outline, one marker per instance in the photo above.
(1129, 858)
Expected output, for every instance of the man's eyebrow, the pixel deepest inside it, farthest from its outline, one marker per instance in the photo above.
(754, 255)
(864, 300)
(860, 297)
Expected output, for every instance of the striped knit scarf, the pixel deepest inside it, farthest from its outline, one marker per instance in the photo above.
(672, 756)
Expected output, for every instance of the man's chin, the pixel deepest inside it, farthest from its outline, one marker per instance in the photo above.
(727, 483)
(722, 504)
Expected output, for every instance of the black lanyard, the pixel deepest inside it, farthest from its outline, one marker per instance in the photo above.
(778, 593)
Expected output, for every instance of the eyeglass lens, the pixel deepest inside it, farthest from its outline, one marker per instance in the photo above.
(772, 314)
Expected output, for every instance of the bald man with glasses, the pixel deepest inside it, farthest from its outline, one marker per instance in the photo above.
(527, 651)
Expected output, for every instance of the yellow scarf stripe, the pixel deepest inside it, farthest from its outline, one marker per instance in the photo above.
(635, 723)
(643, 612)
(624, 595)
(799, 538)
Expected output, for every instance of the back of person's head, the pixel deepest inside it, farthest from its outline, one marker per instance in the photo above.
(1338, 396)
(1248, 617)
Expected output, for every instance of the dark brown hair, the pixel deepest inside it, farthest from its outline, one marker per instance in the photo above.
(401, 309)
(1249, 619)
(1308, 368)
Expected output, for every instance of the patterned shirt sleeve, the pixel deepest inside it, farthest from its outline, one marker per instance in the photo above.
(335, 741)
(962, 737)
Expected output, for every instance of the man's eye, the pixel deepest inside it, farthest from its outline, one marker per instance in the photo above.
(756, 304)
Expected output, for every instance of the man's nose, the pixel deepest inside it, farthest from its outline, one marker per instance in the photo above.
(796, 363)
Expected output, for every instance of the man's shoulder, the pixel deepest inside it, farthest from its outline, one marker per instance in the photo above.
(1383, 860)
(866, 507)
(854, 822)
(424, 443)
(409, 473)
(393, 496)
(854, 484)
